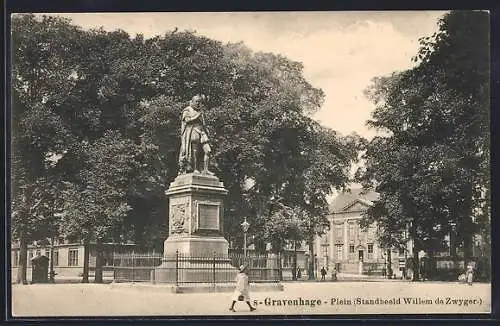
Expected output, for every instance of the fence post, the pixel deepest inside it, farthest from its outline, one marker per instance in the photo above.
(114, 269)
(280, 270)
(133, 267)
(176, 267)
(121, 264)
(213, 269)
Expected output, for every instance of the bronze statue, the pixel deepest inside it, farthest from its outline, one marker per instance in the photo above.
(194, 138)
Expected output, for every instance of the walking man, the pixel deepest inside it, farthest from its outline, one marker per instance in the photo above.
(323, 273)
(241, 293)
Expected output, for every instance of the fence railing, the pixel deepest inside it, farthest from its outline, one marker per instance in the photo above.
(181, 268)
(135, 267)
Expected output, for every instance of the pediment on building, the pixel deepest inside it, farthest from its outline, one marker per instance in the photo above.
(358, 205)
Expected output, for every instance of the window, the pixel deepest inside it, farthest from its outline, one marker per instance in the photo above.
(351, 249)
(352, 231)
(55, 257)
(38, 252)
(73, 257)
(339, 252)
(325, 250)
(370, 251)
(401, 251)
(287, 261)
(338, 231)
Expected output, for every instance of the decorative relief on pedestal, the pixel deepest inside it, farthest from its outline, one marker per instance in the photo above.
(178, 217)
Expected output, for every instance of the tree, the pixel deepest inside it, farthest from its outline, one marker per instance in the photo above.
(94, 208)
(42, 62)
(109, 109)
(431, 167)
(264, 145)
(462, 45)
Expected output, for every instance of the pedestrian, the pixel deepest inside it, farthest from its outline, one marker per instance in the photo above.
(323, 273)
(241, 292)
(299, 275)
(334, 274)
(470, 274)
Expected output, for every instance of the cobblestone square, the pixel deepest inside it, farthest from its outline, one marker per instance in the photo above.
(297, 299)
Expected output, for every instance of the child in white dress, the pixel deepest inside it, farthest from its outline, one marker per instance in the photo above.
(241, 292)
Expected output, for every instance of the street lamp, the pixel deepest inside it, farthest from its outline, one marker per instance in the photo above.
(245, 225)
(453, 243)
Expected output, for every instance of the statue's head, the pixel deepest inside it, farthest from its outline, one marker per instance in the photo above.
(197, 100)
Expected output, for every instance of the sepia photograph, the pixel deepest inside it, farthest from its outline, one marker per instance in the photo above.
(250, 164)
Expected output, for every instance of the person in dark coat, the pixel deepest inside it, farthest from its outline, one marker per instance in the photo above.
(323, 273)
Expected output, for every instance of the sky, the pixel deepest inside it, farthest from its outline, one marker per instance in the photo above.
(341, 51)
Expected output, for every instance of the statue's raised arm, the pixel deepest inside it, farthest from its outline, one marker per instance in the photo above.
(194, 139)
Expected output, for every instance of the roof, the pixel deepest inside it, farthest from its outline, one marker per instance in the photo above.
(349, 197)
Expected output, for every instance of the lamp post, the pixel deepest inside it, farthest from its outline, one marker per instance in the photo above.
(245, 225)
(452, 243)
(406, 234)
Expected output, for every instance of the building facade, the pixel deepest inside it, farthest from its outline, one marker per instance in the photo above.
(347, 247)
(353, 250)
(68, 258)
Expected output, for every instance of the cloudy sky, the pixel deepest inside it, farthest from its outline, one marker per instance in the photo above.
(341, 51)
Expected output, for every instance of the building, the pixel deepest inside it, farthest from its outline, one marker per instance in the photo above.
(350, 249)
(347, 247)
(68, 257)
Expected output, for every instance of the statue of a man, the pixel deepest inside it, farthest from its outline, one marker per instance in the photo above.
(194, 138)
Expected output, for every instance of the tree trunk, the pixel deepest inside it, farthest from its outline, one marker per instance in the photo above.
(260, 246)
(138, 235)
(389, 263)
(467, 227)
(23, 259)
(416, 263)
(312, 259)
(294, 275)
(98, 262)
(468, 240)
(51, 266)
(453, 244)
(86, 256)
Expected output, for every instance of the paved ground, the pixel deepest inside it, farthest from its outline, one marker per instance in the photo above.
(306, 298)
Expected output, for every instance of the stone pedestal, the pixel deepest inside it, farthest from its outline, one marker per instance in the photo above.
(195, 250)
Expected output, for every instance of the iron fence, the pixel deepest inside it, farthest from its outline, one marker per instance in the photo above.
(135, 267)
(181, 268)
